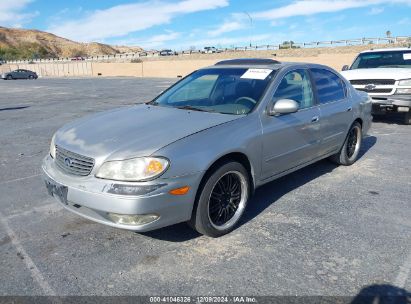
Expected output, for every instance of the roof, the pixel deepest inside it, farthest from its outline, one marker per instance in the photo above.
(260, 63)
(248, 62)
(386, 50)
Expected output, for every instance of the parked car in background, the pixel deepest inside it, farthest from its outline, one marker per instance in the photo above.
(77, 58)
(198, 151)
(166, 53)
(19, 74)
(211, 50)
(385, 74)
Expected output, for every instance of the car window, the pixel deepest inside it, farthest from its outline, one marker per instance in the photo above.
(225, 90)
(199, 88)
(329, 86)
(296, 85)
(370, 60)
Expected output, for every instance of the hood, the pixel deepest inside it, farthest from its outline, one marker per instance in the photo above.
(379, 73)
(134, 131)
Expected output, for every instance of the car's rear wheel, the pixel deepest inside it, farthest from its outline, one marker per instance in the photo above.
(222, 200)
(31, 77)
(407, 118)
(9, 77)
(350, 150)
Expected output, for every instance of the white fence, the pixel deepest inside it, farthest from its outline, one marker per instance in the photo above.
(127, 57)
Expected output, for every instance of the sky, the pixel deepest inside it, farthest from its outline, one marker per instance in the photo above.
(184, 24)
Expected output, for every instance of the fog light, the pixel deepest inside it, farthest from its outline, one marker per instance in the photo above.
(134, 219)
(402, 109)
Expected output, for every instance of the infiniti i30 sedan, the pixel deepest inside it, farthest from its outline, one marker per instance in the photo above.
(197, 152)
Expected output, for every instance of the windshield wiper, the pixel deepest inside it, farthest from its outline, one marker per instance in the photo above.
(152, 103)
(194, 109)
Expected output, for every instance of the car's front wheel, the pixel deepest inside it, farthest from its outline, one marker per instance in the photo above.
(9, 77)
(222, 200)
(350, 150)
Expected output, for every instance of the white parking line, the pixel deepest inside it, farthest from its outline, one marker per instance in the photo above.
(34, 271)
(402, 276)
(18, 179)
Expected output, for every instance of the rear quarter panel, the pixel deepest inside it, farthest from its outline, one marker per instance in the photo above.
(362, 108)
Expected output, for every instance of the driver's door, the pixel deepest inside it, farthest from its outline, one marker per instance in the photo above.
(290, 140)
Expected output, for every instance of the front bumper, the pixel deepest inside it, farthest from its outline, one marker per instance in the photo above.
(94, 198)
(392, 103)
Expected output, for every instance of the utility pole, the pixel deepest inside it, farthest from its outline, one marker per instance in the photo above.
(251, 26)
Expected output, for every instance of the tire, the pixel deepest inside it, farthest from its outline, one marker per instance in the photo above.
(9, 77)
(350, 150)
(216, 210)
(407, 118)
(31, 77)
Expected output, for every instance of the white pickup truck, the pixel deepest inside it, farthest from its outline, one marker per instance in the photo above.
(385, 74)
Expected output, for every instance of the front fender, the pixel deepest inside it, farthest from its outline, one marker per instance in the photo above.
(197, 152)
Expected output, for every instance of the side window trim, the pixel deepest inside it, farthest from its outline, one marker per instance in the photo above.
(314, 88)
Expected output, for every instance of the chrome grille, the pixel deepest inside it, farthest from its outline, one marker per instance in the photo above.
(375, 90)
(373, 81)
(73, 163)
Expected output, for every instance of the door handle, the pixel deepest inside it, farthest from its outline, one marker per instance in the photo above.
(315, 119)
(349, 109)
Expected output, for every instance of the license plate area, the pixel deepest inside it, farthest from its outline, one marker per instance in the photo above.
(58, 191)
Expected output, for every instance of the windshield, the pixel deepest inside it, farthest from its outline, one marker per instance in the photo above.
(389, 59)
(224, 90)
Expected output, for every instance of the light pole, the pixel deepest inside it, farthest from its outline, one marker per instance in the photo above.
(251, 25)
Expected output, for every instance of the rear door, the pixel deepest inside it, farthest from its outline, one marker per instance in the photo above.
(16, 74)
(335, 107)
(290, 140)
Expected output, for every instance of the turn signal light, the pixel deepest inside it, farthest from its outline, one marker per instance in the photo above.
(180, 191)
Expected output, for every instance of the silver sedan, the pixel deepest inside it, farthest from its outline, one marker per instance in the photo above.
(197, 152)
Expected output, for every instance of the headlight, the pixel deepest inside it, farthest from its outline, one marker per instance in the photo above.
(405, 82)
(403, 91)
(53, 147)
(135, 169)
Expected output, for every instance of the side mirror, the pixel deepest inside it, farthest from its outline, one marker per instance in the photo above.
(283, 106)
(345, 68)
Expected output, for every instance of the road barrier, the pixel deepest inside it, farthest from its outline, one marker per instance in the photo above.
(127, 57)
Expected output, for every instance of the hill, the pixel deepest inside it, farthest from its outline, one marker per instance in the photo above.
(28, 44)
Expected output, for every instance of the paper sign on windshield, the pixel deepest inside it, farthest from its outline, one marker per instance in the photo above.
(407, 56)
(260, 74)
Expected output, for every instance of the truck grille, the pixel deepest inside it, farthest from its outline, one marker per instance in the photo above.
(375, 90)
(73, 163)
(373, 81)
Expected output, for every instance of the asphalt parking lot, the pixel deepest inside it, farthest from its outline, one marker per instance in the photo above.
(323, 230)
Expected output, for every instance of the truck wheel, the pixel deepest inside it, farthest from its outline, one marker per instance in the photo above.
(407, 118)
(221, 200)
(348, 154)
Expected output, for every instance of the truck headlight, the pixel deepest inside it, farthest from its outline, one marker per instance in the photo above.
(53, 147)
(134, 169)
(405, 82)
(403, 91)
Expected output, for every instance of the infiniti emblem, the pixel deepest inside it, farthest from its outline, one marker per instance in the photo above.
(370, 87)
(67, 161)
